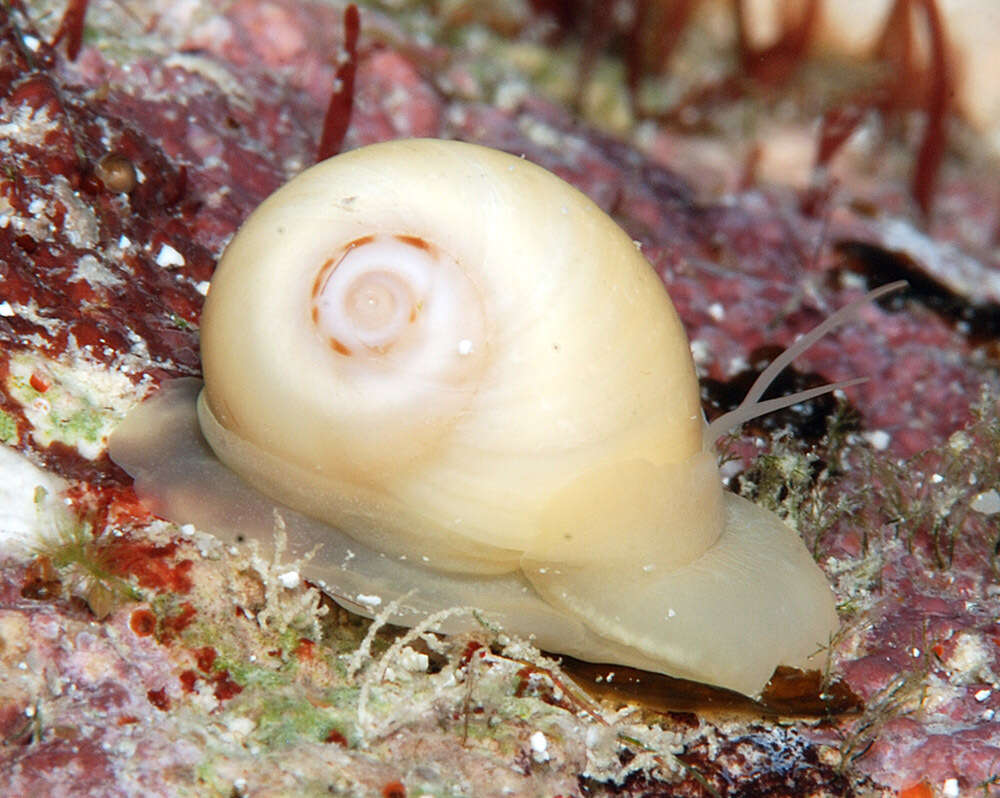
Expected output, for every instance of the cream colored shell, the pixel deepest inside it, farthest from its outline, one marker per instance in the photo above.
(455, 455)
(477, 392)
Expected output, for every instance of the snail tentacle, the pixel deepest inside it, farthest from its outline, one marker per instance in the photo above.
(751, 406)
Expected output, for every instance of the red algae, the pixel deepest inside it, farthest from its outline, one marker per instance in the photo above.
(142, 622)
(150, 564)
(909, 85)
(338, 112)
(159, 699)
(898, 46)
(305, 649)
(175, 624)
(224, 686)
(776, 63)
(335, 737)
(71, 27)
(919, 790)
(92, 767)
(394, 789)
(205, 658)
(188, 680)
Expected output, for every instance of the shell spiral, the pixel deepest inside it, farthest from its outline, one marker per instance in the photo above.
(424, 342)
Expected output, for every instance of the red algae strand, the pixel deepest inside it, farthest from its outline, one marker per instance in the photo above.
(71, 27)
(338, 113)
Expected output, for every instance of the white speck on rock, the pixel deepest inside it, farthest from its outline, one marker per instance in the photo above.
(736, 364)
(987, 502)
(539, 747)
(6, 310)
(168, 256)
(542, 134)
(950, 788)
(289, 579)
(368, 601)
(879, 439)
(959, 442)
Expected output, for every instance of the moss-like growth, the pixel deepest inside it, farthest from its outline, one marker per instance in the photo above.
(286, 720)
(931, 495)
(81, 563)
(904, 695)
(927, 499)
(8, 428)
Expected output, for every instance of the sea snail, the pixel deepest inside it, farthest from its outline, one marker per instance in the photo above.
(473, 390)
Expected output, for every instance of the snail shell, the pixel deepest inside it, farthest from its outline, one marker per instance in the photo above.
(473, 388)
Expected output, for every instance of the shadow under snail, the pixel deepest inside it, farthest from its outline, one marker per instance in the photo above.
(461, 378)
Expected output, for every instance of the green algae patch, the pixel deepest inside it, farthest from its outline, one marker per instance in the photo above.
(286, 720)
(8, 429)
